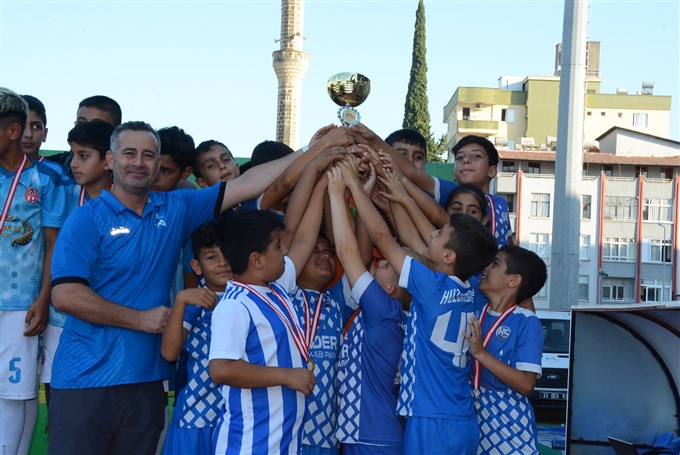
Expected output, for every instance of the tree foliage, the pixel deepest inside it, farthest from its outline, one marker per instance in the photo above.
(416, 111)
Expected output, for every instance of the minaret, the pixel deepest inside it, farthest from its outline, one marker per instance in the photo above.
(290, 65)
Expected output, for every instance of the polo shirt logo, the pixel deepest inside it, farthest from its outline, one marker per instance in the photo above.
(160, 222)
(120, 230)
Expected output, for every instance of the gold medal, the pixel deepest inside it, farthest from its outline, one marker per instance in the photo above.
(310, 365)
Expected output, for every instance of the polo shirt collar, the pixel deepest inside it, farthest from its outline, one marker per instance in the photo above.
(154, 200)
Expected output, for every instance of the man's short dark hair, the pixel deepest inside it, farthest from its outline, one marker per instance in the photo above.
(473, 243)
(243, 232)
(37, 106)
(529, 266)
(13, 108)
(106, 104)
(133, 126)
(95, 135)
(407, 136)
(178, 144)
(489, 148)
(202, 148)
(204, 237)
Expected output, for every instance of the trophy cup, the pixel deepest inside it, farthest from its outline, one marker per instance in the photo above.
(348, 90)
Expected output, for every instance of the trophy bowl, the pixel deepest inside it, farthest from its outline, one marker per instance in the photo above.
(348, 90)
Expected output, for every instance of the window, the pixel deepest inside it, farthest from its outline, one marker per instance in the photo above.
(656, 209)
(618, 249)
(540, 205)
(620, 207)
(508, 115)
(534, 167)
(584, 248)
(654, 290)
(641, 171)
(510, 198)
(659, 250)
(583, 287)
(613, 292)
(640, 120)
(608, 170)
(586, 206)
(508, 166)
(466, 113)
(538, 243)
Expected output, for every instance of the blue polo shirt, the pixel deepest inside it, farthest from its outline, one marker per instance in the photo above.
(129, 260)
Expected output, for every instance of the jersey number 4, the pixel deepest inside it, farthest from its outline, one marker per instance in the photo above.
(457, 348)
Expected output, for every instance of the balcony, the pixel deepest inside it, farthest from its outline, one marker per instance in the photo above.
(478, 127)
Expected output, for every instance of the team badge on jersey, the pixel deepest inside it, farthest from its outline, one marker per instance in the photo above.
(503, 332)
(31, 195)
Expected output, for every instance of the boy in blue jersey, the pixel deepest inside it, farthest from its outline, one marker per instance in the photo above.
(33, 211)
(198, 404)
(435, 394)
(506, 342)
(261, 358)
(372, 343)
(213, 162)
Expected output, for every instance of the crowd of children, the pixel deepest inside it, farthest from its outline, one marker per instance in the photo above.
(331, 299)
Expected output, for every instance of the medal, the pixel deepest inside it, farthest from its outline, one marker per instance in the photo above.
(28, 231)
(477, 378)
(310, 365)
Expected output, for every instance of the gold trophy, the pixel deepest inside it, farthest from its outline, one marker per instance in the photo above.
(348, 90)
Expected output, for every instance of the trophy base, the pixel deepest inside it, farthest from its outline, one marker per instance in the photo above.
(348, 116)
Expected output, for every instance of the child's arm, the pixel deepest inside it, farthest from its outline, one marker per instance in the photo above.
(245, 375)
(38, 313)
(522, 381)
(377, 229)
(325, 138)
(175, 334)
(346, 246)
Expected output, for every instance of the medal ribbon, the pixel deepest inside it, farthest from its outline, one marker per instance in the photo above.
(487, 339)
(12, 190)
(492, 218)
(294, 328)
(312, 326)
(81, 199)
(41, 159)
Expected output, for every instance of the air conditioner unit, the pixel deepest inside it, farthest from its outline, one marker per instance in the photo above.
(499, 140)
(479, 106)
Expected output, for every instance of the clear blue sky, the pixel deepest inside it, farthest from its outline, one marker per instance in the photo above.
(206, 66)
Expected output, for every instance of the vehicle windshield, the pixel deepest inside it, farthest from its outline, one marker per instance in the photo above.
(556, 336)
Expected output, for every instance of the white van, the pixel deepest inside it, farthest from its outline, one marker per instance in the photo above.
(551, 387)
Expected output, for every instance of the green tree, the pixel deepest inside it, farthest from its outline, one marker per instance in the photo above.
(416, 111)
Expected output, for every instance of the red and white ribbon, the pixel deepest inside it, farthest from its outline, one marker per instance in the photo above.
(312, 321)
(12, 191)
(487, 338)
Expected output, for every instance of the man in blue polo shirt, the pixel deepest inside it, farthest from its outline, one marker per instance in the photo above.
(112, 271)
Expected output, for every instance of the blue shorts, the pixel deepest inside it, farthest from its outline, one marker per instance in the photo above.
(314, 450)
(369, 449)
(445, 436)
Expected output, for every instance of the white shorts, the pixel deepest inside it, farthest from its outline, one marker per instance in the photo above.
(18, 358)
(50, 342)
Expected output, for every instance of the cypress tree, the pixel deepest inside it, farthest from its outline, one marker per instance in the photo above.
(416, 112)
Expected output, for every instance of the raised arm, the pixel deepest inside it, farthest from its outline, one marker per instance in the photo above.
(377, 228)
(346, 246)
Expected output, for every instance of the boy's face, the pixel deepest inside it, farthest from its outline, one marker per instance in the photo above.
(320, 268)
(414, 153)
(437, 250)
(467, 203)
(216, 165)
(274, 263)
(472, 166)
(168, 176)
(386, 276)
(87, 164)
(88, 114)
(495, 277)
(215, 269)
(35, 133)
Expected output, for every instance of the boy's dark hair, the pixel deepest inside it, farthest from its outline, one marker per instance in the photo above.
(204, 237)
(95, 134)
(474, 245)
(133, 126)
(35, 105)
(470, 189)
(489, 148)
(407, 136)
(178, 144)
(267, 151)
(243, 232)
(13, 108)
(529, 266)
(202, 148)
(106, 104)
